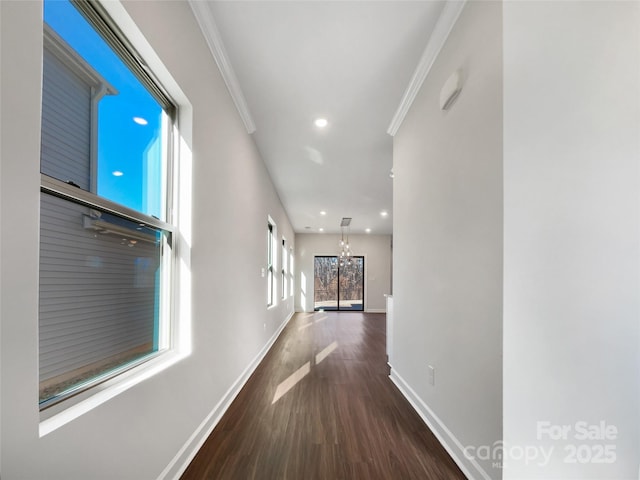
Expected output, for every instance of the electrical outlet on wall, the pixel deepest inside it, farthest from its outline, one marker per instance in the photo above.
(432, 375)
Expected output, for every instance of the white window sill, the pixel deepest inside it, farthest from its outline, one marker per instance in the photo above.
(68, 410)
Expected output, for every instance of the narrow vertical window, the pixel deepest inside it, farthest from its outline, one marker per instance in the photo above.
(270, 265)
(291, 272)
(284, 269)
(106, 233)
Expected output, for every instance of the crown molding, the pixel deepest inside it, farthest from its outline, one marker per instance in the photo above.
(441, 31)
(207, 25)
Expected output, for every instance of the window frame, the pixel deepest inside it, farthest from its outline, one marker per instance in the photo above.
(96, 14)
(291, 272)
(338, 273)
(270, 263)
(284, 269)
(98, 17)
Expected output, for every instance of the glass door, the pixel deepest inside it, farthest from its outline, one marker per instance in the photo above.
(325, 283)
(338, 287)
(351, 285)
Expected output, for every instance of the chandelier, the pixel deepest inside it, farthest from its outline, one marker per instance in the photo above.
(346, 257)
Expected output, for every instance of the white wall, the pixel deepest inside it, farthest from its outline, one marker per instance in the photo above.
(447, 265)
(140, 431)
(571, 303)
(377, 268)
(568, 245)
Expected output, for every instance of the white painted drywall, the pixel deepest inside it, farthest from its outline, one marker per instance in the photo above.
(447, 265)
(376, 250)
(571, 232)
(20, 102)
(138, 433)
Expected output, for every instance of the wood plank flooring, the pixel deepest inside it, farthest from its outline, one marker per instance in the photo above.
(321, 407)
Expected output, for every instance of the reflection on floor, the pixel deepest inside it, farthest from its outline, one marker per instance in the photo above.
(321, 406)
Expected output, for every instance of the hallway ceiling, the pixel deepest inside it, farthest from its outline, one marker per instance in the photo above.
(347, 61)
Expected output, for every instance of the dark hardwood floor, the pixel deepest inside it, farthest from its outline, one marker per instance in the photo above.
(321, 406)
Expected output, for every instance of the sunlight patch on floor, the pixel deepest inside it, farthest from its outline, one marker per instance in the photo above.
(306, 325)
(291, 381)
(320, 356)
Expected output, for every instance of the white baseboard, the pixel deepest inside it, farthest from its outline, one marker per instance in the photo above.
(183, 458)
(376, 310)
(451, 444)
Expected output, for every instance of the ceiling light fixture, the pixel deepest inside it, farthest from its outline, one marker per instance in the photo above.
(140, 120)
(368, 230)
(117, 173)
(384, 213)
(321, 122)
(321, 229)
(323, 212)
(345, 253)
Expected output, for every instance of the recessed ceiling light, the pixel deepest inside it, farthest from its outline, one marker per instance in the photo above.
(321, 122)
(117, 173)
(140, 120)
(323, 212)
(368, 230)
(321, 229)
(384, 213)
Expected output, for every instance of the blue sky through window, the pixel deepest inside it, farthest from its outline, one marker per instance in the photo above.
(129, 123)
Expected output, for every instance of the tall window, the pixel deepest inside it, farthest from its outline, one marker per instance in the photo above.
(284, 269)
(105, 227)
(270, 263)
(291, 269)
